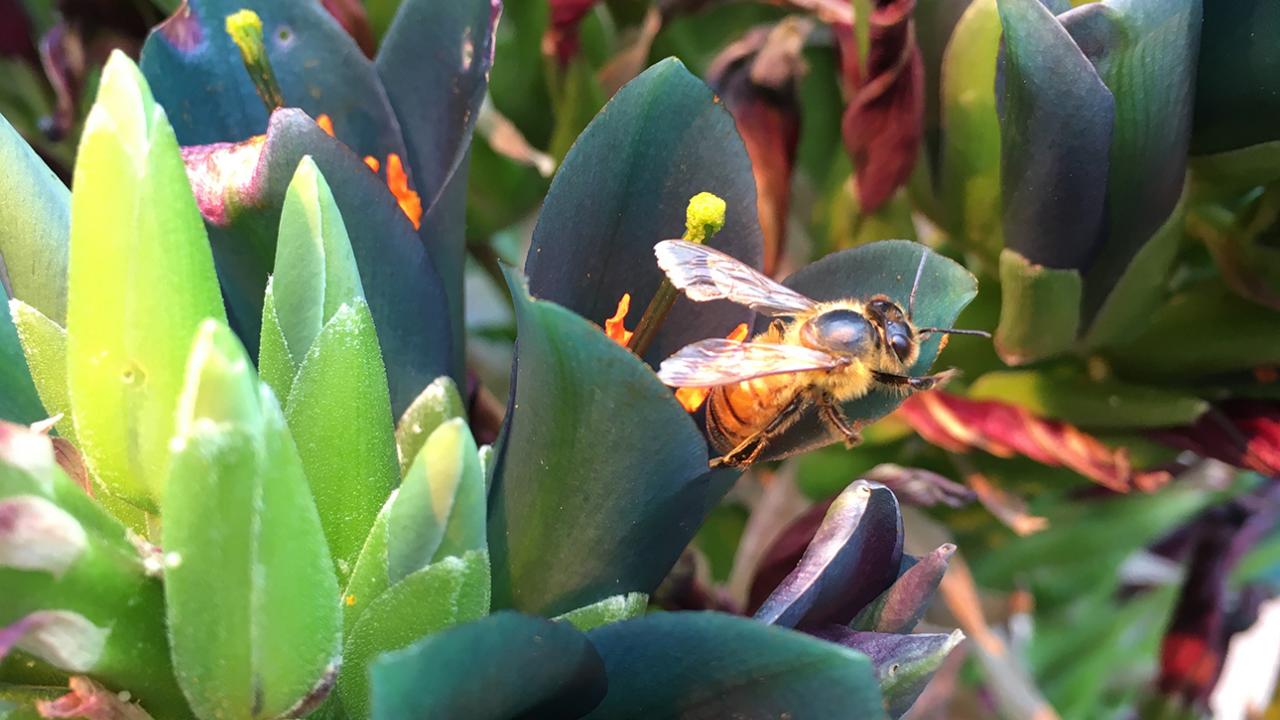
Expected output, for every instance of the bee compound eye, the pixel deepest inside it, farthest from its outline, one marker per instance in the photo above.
(901, 346)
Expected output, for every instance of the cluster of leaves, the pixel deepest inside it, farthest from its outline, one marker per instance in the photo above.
(212, 536)
(1107, 169)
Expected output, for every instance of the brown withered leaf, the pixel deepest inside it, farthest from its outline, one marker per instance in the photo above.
(90, 701)
(561, 38)
(351, 15)
(756, 77)
(884, 121)
(1244, 433)
(959, 424)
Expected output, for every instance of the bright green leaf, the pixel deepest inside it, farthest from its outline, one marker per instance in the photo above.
(1075, 399)
(34, 223)
(44, 343)
(1040, 309)
(437, 403)
(439, 511)
(251, 595)
(141, 281)
(19, 399)
(454, 590)
(340, 415)
(608, 610)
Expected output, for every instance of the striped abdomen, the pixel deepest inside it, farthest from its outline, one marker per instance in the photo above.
(738, 411)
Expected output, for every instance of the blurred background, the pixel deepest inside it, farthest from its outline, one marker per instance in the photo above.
(1110, 171)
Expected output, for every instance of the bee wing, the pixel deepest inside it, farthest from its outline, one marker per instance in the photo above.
(705, 274)
(716, 361)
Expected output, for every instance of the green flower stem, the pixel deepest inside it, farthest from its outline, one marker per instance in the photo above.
(245, 29)
(703, 219)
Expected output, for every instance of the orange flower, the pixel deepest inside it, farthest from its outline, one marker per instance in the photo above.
(373, 163)
(326, 124)
(398, 182)
(615, 327)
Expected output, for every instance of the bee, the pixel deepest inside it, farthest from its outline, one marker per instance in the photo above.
(814, 355)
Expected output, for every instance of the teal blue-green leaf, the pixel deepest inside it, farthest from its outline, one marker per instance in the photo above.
(970, 153)
(1055, 139)
(1145, 51)
(199, 77)
(624, 186)
(340, 416)
(19, 397)
(315, 271)
(584, 505)
(242, 188)
(437, 403)
(141, 281)
(257, 571)
(44, 343)
(608, 610)
(440, 509)
(452, 591)
(686, 664)
(1073, 398)
(1039, 309)
(880, 268)
(1237, 95)
(35, 219)
(468, 672)
(105, 582)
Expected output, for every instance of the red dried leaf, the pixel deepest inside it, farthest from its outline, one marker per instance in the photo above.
(561, 39)
(884, 121)
(351, 15)
(1244, 433)
(959, 424)
(756, 78)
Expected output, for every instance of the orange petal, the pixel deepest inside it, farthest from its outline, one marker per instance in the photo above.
(372, 162)
(326, 124)
(615, 326)
(398, 183)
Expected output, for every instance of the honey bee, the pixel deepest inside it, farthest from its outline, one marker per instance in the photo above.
(814, 355)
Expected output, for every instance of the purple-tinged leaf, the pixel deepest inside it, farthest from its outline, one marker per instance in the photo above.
(899, 608)
(240, 189)
(903, 663)
(196, 73)
(854, 557)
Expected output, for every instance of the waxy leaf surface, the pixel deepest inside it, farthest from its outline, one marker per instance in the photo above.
(468, 672)
(583, 505)
(624, 186)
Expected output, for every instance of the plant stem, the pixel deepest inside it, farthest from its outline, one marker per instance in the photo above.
(703, 219)
(245, 29)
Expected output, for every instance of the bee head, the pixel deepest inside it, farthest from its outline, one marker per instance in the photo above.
(840, 331)
(894, 328)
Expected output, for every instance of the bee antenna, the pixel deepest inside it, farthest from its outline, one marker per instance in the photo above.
(955, 331)
(915, 285)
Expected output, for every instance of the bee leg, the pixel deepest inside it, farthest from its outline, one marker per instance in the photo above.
(834, 415)
(750, 448)
(924, 382)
